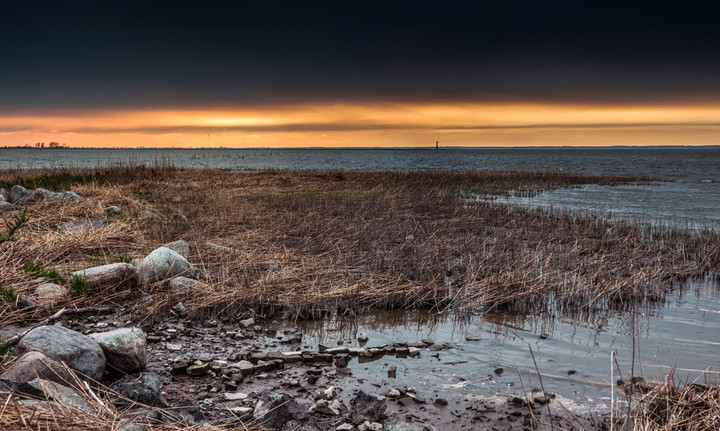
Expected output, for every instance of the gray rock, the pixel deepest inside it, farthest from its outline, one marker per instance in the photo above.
(4, 195)
(149, 215)
(405, 426)
(113, 210)
(180, 247)
(367, 407)
(18, 193)
(48, 294)
(63, 394)
(345, 427)
(330, 408)
(217, 247)
(278, 412)
(247, 322)
(41, 194)
(142, 388)
(180, 284)
(78, 351)
(115, 276)
(362, 337)
(84, 225)
(125, 349)
(127, 424)
(67, 196)
(34, 365)
(163, 264)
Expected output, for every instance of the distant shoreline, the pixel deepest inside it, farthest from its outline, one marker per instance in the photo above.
(615, 147)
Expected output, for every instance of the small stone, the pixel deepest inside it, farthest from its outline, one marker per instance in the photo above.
(113, 210)
(428, 341)
(499, 371)
(235, 396)
(440, 402)
(413, 351)
(362, 337)
(247, 322)
(240, 412)
(198, 370)
(345, 427)
(179, 308)
(392, 372)
(394, 393)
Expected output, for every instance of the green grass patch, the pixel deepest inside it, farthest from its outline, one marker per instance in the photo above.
(78, 284)
(8, 294)
(60, 182)
(33, 267)
(5, 348)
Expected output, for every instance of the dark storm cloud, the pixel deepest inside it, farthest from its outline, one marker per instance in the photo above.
(71, 54)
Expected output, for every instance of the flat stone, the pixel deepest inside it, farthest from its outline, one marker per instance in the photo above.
(84, 225)
(235, 396)
(34, 365)
(116, 276)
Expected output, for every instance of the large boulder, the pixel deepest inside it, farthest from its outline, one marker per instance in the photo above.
(33, 365)
(117, 276)
(78, 351)
(125, 349)
(163, 264)
(367, 407)
(279, 412)
(63, 395)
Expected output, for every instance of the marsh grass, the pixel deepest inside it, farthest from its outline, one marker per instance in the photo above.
(308, 243)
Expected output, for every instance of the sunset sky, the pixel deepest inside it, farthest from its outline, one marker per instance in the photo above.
(286, 74)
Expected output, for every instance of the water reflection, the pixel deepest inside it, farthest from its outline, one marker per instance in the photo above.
(572, 348)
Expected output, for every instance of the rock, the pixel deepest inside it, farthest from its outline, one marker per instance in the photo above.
(41, 194)
(78, 351)
(413, 351)
(405, 426)
(62, 394)
(370, 426)
(34, 365)
(198, 370)
(4, 195)
(6, 206)
(325, 407)
(362, 337)
(113, 210)
(235, 396)
(116, 276)
(48, 294)
(345, 427)
(440, 402)
(216, 247)
(392, 372)
(125, 349)
(499, 371)
(142, 388)
(181, 284)
(247, 322)
(277, 411)
(163, 264)
(367, 407)
(148, 215)
(244, 413)
(394, 393)
(84, 225)
(330, 393)
(180, 247)
(18, 193)
(67, 196)
(126, 424)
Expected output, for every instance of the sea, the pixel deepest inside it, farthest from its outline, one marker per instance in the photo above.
(684, 191)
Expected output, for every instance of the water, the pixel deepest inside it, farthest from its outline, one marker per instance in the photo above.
(688, 194)
(682, 333)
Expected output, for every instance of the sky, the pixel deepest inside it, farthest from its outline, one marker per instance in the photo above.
(391, 73)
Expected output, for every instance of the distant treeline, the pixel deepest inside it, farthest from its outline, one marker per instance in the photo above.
(51, 145)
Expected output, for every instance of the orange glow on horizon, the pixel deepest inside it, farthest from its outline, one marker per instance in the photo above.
(372, 125)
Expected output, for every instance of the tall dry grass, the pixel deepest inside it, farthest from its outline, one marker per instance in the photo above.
(308, 242)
